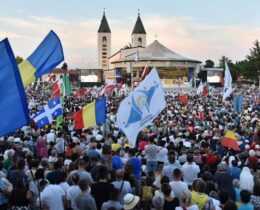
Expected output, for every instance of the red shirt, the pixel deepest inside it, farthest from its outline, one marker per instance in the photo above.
(142, 144)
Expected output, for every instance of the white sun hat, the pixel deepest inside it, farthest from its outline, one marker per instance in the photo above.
(130, 201)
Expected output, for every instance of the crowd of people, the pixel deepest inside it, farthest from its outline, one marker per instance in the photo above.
(178, 161)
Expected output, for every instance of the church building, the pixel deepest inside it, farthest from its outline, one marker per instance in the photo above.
(129, 62)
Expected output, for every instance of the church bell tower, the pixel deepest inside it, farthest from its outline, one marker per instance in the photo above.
(104, 43)
(139, 34)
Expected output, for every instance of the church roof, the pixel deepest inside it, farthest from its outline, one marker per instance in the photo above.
(157, 52)
(139, 27)
(104, 27)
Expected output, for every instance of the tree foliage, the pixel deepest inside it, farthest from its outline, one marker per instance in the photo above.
(254, 59)
(64, 66)
(209, 64)
(19, 59)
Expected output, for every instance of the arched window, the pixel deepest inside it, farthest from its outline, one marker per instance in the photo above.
(140, 41)
(104, 39)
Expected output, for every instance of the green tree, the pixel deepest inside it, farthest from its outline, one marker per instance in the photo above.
(231, 65)
(222, 62)
(19, 59)
(64, 66)
(209, 64)
(254, 59)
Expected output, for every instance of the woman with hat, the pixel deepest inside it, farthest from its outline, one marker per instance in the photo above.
(131, 201)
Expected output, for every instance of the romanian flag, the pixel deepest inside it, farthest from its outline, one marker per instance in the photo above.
(90, 115)
(229, 140)
(46, 56)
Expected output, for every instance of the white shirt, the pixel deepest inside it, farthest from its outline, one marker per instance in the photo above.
(193, 207)
(72, 193)
(162, 154)
(178, 187)
(65, 186)
(190, 172)
(51, 196)
(60, 145)
(50, 137)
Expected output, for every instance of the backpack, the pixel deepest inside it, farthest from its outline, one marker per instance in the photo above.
(147, 193)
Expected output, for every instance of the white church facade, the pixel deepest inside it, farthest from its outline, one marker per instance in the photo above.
(130, 61)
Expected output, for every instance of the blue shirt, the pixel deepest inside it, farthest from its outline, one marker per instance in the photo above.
(247, 206)
(237, 191)
(235, 172)
(117, 163)
(136, 164)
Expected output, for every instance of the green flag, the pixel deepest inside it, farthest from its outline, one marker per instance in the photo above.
(67, 86)
(59, 121)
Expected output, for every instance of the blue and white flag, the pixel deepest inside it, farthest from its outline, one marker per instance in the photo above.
(200, 88)
(48, 113)
(228, 82)
(191, 81)
(141, 107)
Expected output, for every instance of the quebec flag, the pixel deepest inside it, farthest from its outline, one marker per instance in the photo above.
(141, 107)
(48, 113)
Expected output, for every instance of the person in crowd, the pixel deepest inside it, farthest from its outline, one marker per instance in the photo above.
(122, 185)
(157, 202)
(135, 162)
(177, 185)
(237, 189)
(185, 201)
(169, 201)
(255, 197)
(235, 170)
(151, 151)
(198, 196)
(84, 201)
(113, 202)
(51, 196)
(190, 170)
(245, 201)
(246, 180)
(131, 202)
(73, 191)
(20, 197)
(100, 189)
(223, 180)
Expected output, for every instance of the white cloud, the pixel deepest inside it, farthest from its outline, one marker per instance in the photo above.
(183, 35)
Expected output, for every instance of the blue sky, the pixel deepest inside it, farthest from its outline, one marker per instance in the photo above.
(199, 29)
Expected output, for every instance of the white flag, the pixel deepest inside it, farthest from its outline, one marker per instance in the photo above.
(228, 82)
(200, 88)
(137, 55)
(141, 107)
